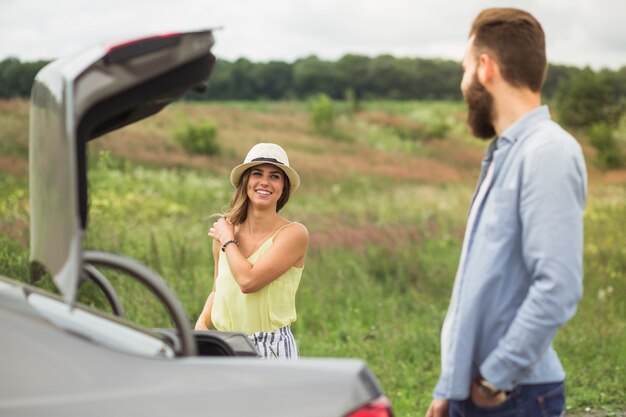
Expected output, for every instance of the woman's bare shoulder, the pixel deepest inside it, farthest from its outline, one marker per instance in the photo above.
(292, 230)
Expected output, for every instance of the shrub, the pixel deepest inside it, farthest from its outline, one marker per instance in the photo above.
(586, 99)
(354, 104)
(326, 120)
(199, 138)
(437, 127)
(323, 115)
(602, 139)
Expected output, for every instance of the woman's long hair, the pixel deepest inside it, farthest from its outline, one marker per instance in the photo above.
(238, 211)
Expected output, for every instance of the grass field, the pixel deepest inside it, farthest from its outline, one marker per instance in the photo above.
(384, 200)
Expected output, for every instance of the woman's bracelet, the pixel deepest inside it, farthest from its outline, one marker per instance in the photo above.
(228, 243)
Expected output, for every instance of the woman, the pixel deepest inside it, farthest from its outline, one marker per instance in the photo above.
(259, 256)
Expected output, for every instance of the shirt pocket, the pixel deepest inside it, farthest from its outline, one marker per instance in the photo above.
(501, 214)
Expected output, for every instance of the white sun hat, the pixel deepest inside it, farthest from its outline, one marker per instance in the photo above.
(266, 153)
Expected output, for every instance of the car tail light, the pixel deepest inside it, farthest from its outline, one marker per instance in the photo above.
(380, 407)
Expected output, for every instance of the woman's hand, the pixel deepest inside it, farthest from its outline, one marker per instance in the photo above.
(287, 250)
(223, 230)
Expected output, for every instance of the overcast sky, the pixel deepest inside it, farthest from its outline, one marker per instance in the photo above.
(578, 32)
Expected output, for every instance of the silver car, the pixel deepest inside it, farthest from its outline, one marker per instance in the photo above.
(59, 358)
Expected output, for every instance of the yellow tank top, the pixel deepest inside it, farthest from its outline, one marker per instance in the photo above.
(267, 310)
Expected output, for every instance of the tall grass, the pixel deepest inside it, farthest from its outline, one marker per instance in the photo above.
(383, 251)
(593, 344)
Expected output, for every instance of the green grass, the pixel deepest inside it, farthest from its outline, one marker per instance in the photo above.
(382, 259)
(593, 344)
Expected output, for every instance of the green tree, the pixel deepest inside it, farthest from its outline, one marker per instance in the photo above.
(616, 80)
(241, 77)
(312, 75)
(588, 101)
(272, 80)
(352, 72)
(387, 79)
(220, 86)
(556, 75)
(585, 99)
(16, 78)
(434, 79)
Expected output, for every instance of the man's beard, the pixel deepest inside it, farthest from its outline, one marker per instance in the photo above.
(479, 110)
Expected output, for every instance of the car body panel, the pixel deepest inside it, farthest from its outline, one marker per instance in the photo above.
(54, 370)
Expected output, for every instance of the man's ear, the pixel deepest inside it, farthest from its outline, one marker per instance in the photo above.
(487, 69)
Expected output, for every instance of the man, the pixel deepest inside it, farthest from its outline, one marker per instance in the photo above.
(520, 274)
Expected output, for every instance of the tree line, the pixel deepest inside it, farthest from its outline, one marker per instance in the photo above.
(381, 77)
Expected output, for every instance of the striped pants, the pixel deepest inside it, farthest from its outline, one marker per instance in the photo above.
(276, 345)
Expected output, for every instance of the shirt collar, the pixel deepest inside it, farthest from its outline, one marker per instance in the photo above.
(517, 130)
(520, 128)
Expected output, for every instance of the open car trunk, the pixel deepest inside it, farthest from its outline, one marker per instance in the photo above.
(79, 98)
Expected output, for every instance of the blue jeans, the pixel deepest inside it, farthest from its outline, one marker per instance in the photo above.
(540, 400)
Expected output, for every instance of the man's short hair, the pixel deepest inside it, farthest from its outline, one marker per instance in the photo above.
(516, 41)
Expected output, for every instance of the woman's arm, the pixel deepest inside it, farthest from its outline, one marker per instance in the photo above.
(288, 250)
(204, 321)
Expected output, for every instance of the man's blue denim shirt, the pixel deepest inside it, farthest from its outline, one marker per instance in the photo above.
(522, 276)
